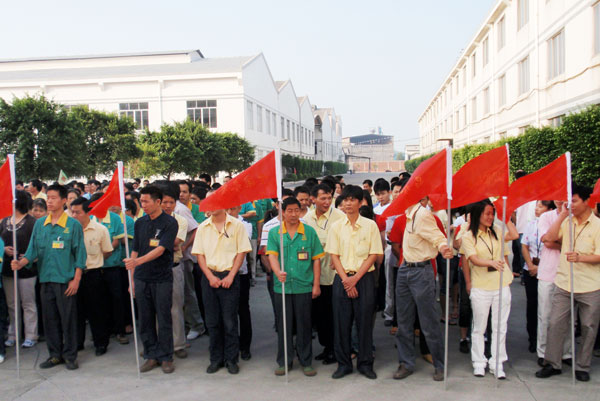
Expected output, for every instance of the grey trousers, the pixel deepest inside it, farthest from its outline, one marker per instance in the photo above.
(415, 286)
(177, 308)
(391, 261)
(588, 304)
(193, 317)
(60, 320)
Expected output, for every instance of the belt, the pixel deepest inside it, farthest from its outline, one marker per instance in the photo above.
(417, 264)
(350, 274)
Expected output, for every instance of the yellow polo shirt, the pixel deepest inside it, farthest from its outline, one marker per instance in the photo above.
(41, 195)
(221, 248)
(422, 237)
(354, 244)
(97, 242)
(322, 225)
(586, 237)
(485, 247)
(181, 235)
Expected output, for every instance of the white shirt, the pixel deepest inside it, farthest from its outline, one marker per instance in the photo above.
(532, 240)
(248, 227)
(378, 209)
(525, 214)
(183, 211)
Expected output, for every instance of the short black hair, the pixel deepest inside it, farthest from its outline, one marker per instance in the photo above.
(39, 202)
(311, 182)
(289, 201)
(301, 190)
(329, 182)
(352, 191)
(95, 182)
(96, 196)
(404, 174)
(394, 179)
(369, 182)
(85, 204)
(167, 189)
(19, 182)
(80, 186)
(396, 184)
(519, 174)
(138, 180)
(404, 181)
(381, 185)
(131, 206)
(199, 192)
(583, 192)
(62, 190)
(185, 182)
(152, 190)
(339, 177)
(287, 192)
(367, 198)
(37, 184)
(206, 177)
(129, 186)
(321, 187)
(215, 186)
(23, 201)
(74, 191)
(133, 194)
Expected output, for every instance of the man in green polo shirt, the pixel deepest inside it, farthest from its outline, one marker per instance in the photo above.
(250, 212)
(57, 244)
(302, 270)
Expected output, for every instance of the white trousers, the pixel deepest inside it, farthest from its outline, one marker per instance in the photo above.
(481, 301)
(545, 294)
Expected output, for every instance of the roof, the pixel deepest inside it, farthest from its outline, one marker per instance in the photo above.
(280, 84)
(116, 55)
(370, 139)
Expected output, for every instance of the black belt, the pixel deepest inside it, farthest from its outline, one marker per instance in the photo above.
(350, 274)
(417, 264)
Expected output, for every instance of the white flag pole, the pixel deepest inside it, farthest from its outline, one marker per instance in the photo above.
(571, 247)
(447, 312)
(123, 208)
(278, 176)
(11, 167)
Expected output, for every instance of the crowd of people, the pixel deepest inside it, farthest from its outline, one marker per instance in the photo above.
(329, 258)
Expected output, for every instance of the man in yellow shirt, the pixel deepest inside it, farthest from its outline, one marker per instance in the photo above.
(221, 244)
(586, 285)
(353, 244)
(35, 189)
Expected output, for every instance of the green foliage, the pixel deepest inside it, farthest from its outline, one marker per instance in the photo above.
(333, 168)
(239, 153)
(536, 147)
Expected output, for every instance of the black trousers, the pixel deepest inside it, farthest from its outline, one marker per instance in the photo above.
(298, 308)
(465, 313)
(221, 307)
(271, 290)
(323, 317)
(244, 313)
(517, 262)
(60, 320)
(360, 309)
(197, 272)
(92, 305)
(111, 279)
(154, 302)
(125, 300)
(531, 291)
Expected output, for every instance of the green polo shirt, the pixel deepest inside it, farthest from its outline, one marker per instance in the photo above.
(130, 231)
(196, 213)
(300, 275)
(113, 223)
(247, 207)
(59, 249)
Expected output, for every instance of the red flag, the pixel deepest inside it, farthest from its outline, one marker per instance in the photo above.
(551, 182)
(482, 177)
(111, 197)
(259, 181)
(595, 196)
(6, 190)
(429, 179)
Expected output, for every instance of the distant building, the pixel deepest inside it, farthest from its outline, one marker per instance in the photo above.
(530, 63)
(371, 150)
(328, 135)
(411, 151)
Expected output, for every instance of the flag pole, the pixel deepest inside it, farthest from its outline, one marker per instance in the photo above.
(11, 165)
(502, 245)
(449, 218)
(571, 248)
(122, 199)
(278, 177)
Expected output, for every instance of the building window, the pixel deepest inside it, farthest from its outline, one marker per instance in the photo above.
(457, 82)
(557, 121)
(464, 115)
(282, 128)
(524, 75)
(267, 122)
(474, 64)
(138, 112)
(502, 135)
(485, 51)
(522, 13)
(288, 130)
(464, 79)
(597, 28)
(502, 91)
(259, 118)
(456, 120)
(486, 101)
(294, 136)
(523, 129)
(486, 139)
(249, 114)
(556, 55)
(203, 111)
(474, 109)
(274, 117)
(501, 29)
(450, 125)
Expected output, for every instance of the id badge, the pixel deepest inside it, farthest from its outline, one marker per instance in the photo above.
(58, 245)
(154, 242)
(302, 255)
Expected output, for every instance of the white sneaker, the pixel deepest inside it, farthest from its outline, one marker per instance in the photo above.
(1, 358)
(29, 343)
(192, 335)
(479, 371)
(9, 343)
(500, 374)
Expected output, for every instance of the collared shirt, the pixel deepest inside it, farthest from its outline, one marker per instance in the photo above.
(268, 226)
(586, 238)
(115, 227)
(486, 246)
(248, 227)
(422, 237)
(192, 224)
(248, 207)
(322, 225)
(532, 240)
(549, 258)
(182, 226)
(198, 215)
(354, 244)
(41, 195)
(221, 248)
(149, 234)
(299, 253)
(130, 222)
(97, 243)
(59, 249)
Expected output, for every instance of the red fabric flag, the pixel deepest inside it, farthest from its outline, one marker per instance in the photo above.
(259, 181)
(111, 197)
(595, 197)
(551, 182)
(6, 190)
(482, 177)
(429, 179)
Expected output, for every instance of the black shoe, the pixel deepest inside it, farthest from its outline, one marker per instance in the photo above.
(568, 362)
(532, 348)
(582, 376)
(329, 360)
(341, 372)
(368, 373)
(51, 362)
(72, 365)
(387, 323)
(547, 371)
(541, 363)
(232, 368)
(464, 346)
(321, 356)
(246, 355)
(100, 350)
(214, 367)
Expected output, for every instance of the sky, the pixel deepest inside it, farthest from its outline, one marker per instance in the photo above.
(378, 63)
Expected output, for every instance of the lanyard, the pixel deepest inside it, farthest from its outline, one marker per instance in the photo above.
(412, 229)
(577, 236)
(491, 249)
(326, 222)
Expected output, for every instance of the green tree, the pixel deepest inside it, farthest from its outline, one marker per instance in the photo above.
(239, 153)
(43, 138)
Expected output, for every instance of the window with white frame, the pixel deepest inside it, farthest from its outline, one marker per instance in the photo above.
(464, 78)
(274, 118)
(267, 122)
(474, 64)
(502, 91)
(456, 120)
(474, 108)
(249, 114)
(485, 50)
(523, 129)
(502, 135)
(294, 136)
(522, 13)
(203, 111)
(282, 128)
(464, 115)
(597, 28)
(450, 126)
(259, 118)
(486, 101)
(556, 55)
(524, 75)
(287, 126)
(501, 32)
(138, 112)
(557, 121)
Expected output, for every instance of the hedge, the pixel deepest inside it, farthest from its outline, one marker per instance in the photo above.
(536, 147)
(297, 168)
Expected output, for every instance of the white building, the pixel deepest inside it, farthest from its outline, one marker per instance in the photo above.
(328, 135)
(530, 63)
(233, 94)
